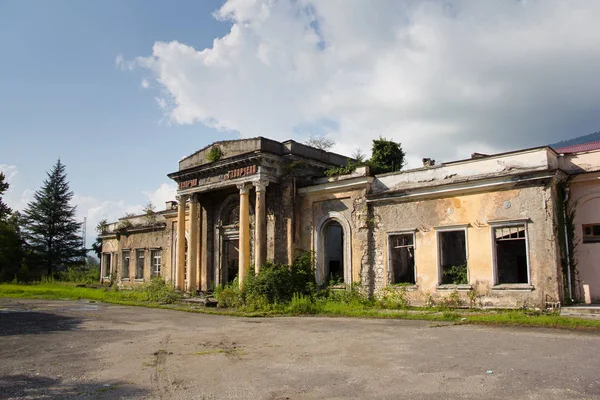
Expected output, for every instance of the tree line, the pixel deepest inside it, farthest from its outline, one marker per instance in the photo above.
(44, 241)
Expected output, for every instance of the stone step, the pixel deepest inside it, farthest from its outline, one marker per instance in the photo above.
(591, 311)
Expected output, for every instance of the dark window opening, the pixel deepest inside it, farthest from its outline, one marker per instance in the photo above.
(106, 264)
(125, 273)
(139, 264)
(230, 260)
(591, 233)
(511, 254)
(334, 253)
(453, 257)
(402, 259)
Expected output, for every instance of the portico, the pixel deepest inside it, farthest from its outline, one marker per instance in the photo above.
(235, 206)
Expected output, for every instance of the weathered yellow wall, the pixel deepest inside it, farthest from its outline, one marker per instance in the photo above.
(534, 203)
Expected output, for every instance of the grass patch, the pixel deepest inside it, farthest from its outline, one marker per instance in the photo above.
(343, 304)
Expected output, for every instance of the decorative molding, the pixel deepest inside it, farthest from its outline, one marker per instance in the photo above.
(244, 187)
(261, 185)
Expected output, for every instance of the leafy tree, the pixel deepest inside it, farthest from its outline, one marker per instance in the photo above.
(320, 142)
(50, 228)
(11, 244)
(387, 156)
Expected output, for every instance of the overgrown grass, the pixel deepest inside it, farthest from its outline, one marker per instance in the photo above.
(349, 303)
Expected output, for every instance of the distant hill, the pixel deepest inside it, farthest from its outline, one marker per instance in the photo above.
(592, 137)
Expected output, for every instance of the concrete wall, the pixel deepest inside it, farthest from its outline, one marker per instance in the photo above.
(585, 196)
(503, 164)
(578, 163)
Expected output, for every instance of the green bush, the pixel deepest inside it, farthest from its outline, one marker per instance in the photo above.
(229, 295)
(392, 297)
(158, 291)
(456, 274)
(276, 285)
(301, 304)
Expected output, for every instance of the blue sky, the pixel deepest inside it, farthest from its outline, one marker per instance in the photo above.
(121, 90)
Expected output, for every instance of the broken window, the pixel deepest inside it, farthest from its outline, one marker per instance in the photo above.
(402, 258)
(591, 233)
(106, 264)
(139, 264)
(125, 257)
(155, 259)
(453, 257)
(511, 254)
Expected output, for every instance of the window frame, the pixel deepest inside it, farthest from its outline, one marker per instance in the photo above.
(104, 254)
(507, 224)
(389, 255)
(128, 252)
(589, 238)
(152, 261)
(137, 253)
(451, 228)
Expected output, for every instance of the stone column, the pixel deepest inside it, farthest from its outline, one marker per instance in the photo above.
(192, 262)
(179, 271)
(204, 253)
(260, 226)
(244, 245)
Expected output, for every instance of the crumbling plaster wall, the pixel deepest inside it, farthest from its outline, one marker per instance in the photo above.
(534, 203)
(352, 205)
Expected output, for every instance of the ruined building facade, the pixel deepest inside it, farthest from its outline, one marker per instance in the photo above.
(488, 227)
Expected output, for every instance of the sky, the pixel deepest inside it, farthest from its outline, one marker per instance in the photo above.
(120, 91)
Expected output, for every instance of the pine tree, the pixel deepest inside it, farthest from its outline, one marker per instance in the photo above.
(50, 228)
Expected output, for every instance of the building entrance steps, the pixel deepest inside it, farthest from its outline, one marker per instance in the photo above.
(584, 311)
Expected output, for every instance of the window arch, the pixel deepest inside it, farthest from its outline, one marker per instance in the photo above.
(332, 238)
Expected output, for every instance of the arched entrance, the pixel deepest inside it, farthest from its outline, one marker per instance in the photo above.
(332, 249)
(227, 232)
(334, 253)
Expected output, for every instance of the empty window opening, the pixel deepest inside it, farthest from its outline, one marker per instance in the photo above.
(402, 258)
(106, 259)
(156, 260)
(453, 257)
(125, 263)
(334, 253)
(511, 254)
(591, 233)
(231, 260)
(139, 264)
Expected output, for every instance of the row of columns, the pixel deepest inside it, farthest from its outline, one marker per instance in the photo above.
(260, 237)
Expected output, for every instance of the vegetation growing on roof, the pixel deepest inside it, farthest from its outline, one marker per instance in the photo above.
(214, 154)
(386, 156)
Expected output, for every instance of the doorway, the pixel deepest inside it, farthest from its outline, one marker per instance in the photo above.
(334, 253)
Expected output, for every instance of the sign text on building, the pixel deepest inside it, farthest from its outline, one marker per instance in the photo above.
(231, 174)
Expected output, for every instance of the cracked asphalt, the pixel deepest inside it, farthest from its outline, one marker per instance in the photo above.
(78, 349)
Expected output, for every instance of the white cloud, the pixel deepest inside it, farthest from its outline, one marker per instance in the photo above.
(145, 83)
(15, 197)
(437, 76)
(160, 196)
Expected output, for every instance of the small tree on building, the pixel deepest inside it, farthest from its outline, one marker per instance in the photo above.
(50, 228)
(387, 156)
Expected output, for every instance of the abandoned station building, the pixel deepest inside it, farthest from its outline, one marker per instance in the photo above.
(500, 226)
